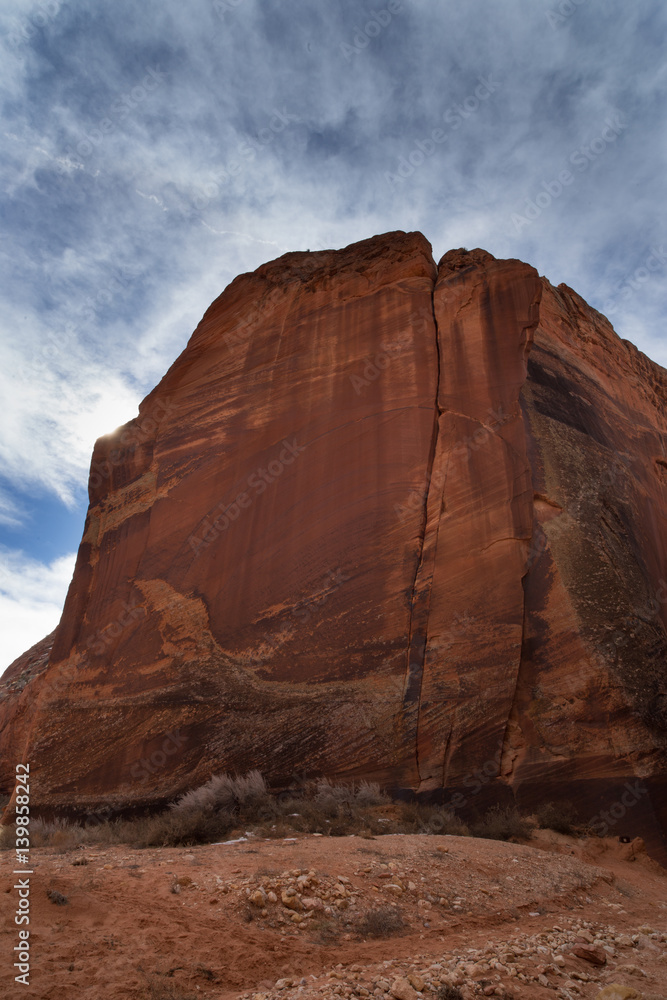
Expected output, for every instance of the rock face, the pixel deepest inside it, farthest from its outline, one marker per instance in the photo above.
(380, 519)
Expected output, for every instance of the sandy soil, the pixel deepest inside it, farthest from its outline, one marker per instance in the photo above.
(285, 919)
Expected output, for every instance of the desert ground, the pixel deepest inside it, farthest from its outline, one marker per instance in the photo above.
(396, 916)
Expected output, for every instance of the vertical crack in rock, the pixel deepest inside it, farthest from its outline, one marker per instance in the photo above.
(469, 606)
(420, 597)
(506, 756)
(509, 749)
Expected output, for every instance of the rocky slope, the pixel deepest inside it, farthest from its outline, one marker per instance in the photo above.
(380, 519)
(393, 918)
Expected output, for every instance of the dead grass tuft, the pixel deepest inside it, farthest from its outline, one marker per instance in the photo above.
(381, 923)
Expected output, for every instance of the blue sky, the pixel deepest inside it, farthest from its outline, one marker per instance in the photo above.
(152, 152)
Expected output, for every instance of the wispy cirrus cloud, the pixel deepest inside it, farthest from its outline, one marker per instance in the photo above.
(31, 599)
(153, 152)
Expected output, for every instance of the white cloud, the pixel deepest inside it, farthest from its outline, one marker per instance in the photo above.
(31, 600)
(113, 249)
(10, 512)
(56, 403)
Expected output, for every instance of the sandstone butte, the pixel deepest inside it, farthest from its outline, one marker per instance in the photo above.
(381, 519)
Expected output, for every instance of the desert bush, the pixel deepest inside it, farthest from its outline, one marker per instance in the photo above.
(326, 929)
(503, 824)
(225, 803)
(250, 789)
(368, 794)
(444, 821)
(245, 796)
(57, 897)
(330, 797)
(217, 793)
(418, 818)
(331, 794)
(447, 992)
(558, 816)
(184, 827)
(381, 923)
(59, 833)
(65, 835)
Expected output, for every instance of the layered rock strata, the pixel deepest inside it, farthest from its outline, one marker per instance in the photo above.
(380, 519)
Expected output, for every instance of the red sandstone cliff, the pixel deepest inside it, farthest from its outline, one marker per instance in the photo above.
(379, 519)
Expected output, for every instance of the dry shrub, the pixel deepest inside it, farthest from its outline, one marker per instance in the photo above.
(558, 816)
(333, 810)
(368, 794)
(225, 803)
(326, 930)
(418, 818)
(57, 897)
(330, 797)
(251, 790)
(245, 796)
(218, 793)
(503, 824)
(65, 835)
(447, 992)
(381, 923)
(53, 833)
(178, 829)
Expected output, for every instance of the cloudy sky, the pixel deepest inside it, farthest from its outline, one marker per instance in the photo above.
(153, 151)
